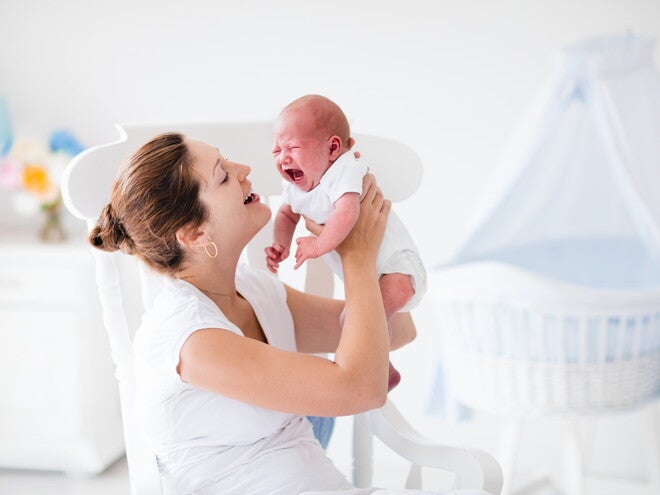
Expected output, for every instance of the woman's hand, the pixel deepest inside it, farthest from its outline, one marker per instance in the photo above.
(367, 234)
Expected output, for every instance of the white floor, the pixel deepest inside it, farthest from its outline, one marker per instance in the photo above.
(114, 481)
(389, 472)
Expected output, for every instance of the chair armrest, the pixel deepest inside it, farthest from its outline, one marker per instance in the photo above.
(474, 468)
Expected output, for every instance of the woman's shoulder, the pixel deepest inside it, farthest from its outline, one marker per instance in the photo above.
(177, 295)
(179, 308)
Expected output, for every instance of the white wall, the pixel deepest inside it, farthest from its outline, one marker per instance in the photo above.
(449, 77)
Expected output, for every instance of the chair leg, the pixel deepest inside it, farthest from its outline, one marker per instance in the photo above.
(510, 431)
(653, 437)
(588, 437)
(414, 479)
(362, 452)
(573, 458)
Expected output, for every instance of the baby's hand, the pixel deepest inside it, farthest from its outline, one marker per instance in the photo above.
(307, 248)
(275, 254)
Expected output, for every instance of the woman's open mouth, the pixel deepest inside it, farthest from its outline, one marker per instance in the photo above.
(251, 198)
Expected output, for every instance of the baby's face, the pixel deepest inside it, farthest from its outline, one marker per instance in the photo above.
(301, 156)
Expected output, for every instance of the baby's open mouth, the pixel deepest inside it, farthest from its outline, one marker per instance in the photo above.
(295, 174)
(248, 199)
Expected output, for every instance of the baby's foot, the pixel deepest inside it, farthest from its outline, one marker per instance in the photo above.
(394, 377)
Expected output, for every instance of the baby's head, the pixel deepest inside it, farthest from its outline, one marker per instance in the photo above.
(310, 134)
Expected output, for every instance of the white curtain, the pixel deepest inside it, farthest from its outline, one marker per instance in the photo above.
(582, 172)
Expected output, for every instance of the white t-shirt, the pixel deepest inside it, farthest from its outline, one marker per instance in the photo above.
(208, 443)
(397, 253)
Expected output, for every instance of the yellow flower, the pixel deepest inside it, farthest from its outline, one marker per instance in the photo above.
(35, 179)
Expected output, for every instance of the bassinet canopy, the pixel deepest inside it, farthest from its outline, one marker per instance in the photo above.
(576, 195)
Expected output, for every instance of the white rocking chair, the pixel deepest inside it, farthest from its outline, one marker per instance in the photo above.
(125, 289)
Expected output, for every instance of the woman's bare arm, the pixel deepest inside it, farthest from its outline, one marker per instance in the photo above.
(316, 321)
(403, 330)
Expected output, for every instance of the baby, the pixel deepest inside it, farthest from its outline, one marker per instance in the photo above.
(323, 182)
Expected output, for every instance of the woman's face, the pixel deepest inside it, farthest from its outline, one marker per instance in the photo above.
(236, 213)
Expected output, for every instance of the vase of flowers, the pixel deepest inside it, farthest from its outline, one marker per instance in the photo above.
(31, 170)
(51, 228)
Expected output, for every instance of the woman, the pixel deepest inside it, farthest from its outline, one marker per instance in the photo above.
(222, 366)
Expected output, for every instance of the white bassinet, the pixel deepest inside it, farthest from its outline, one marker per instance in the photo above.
(517, 343)
(552, 303)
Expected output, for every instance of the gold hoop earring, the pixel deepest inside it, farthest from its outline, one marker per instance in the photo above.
(215, 250)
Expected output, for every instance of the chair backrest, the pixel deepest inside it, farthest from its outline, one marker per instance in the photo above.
(124, 294)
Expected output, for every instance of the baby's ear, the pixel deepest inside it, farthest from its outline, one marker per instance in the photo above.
(334, 147)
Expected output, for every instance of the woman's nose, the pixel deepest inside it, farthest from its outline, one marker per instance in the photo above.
(243, 172)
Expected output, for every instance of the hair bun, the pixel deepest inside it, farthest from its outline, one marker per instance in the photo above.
(96, 240)
(109, 233)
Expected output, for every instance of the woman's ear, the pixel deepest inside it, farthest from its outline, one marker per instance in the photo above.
(334, 147)
(191, 236)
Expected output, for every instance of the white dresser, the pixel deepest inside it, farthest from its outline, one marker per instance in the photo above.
(59, 406)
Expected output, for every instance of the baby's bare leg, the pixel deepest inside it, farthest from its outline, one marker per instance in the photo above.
(397, 290)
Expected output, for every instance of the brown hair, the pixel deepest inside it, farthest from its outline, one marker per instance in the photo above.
(155, 194)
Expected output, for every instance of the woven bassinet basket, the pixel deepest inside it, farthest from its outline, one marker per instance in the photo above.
(517, 344)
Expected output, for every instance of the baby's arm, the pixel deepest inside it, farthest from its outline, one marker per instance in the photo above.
(340, 222)
(283, 228)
